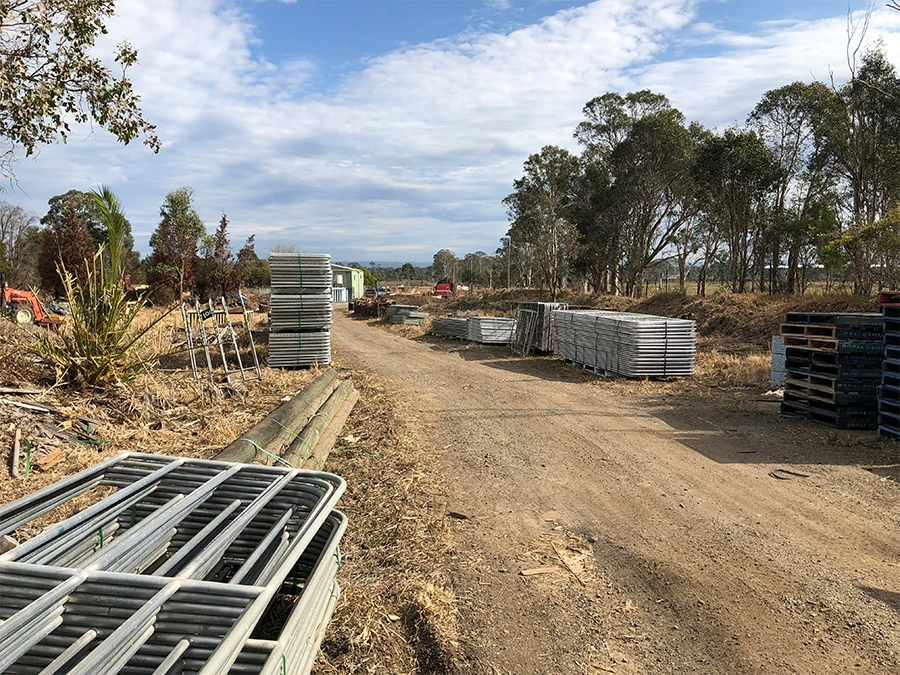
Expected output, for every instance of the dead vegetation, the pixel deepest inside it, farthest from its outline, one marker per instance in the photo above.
(736, 320)
(396, 614)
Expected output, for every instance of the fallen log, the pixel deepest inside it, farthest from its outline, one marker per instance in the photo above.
(276, 431)
(327, 439)
(304, 445)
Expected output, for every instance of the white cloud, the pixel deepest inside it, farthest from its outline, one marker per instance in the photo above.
(413, 152)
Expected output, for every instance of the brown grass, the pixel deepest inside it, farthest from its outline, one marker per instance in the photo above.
(395, 615)
(159, 413)
(741, 319)
(17, 364)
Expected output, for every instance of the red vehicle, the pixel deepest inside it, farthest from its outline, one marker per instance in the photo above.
(444, 289)
(24, 307)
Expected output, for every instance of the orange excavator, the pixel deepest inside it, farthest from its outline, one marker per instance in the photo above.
(24, 307)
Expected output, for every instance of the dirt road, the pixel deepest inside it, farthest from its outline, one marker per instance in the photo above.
(663, 543)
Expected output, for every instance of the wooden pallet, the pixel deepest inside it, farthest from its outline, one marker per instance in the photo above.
(834, 345)
(835, 319)
(824, 404)
(793, 409)
(827, 331)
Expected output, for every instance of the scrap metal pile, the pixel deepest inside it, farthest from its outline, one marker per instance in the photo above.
(622, 343)
(185, 568)
(491, 330)
(889, 403)
(834, 368)
(300, 311)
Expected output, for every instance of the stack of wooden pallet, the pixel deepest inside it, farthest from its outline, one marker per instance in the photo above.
(889, 402)
(833, 364)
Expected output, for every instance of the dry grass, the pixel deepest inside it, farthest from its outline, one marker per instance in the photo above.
(17, 364)
(715, 368)
(395, 615)
(159, 413)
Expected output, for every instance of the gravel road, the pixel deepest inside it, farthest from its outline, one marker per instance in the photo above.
(654, 536)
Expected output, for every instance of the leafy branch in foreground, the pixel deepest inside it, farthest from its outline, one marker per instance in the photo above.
(50, 76)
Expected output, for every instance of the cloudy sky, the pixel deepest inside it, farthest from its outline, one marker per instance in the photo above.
(385, 130)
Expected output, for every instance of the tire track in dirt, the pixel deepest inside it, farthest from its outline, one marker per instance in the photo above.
(702, 562)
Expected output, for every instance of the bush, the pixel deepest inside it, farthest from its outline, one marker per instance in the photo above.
(100, 344)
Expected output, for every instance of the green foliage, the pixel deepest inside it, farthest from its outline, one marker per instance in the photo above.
(51, 76)
(116, 225)
(369, 280)
(538, 210)
(444, 265)
(175, 243)
(66, 244)
(100, 344)
(220, 273)
(407, 271)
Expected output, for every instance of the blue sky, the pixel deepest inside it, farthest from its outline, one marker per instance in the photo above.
(386, 130)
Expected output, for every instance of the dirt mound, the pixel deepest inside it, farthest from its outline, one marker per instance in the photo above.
(750, 317)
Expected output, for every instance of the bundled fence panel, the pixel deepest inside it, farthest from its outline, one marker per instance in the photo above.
(533, 327)
(889, 401)
(176, 569)
(621, 343)
(450, 326)
(834, 368)
(491, 330)
(300, 314)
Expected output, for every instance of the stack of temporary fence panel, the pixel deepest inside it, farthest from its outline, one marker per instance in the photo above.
(622, 343)
(175, 571)
(833, 364)
(889, 402)
(451, 327)
(300, 313)
(491, 330)
(405, 314)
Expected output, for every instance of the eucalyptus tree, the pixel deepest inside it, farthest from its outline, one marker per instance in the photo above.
(539, 211)
(795, 122)
(51, 75)
(735, 173)
(175, 244)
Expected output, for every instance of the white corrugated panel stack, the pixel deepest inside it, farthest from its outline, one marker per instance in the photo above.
(300, 310)
(491, 330)
(450, 326)
(621, 343)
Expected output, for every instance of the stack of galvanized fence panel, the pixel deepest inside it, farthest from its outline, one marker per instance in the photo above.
(188, 567)
(534, 327)
(451, 327)
(833, 364)
(622, 343)
(491, 330)
(405, 314)
(340, 294)
(889, 402)
(300, 310)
